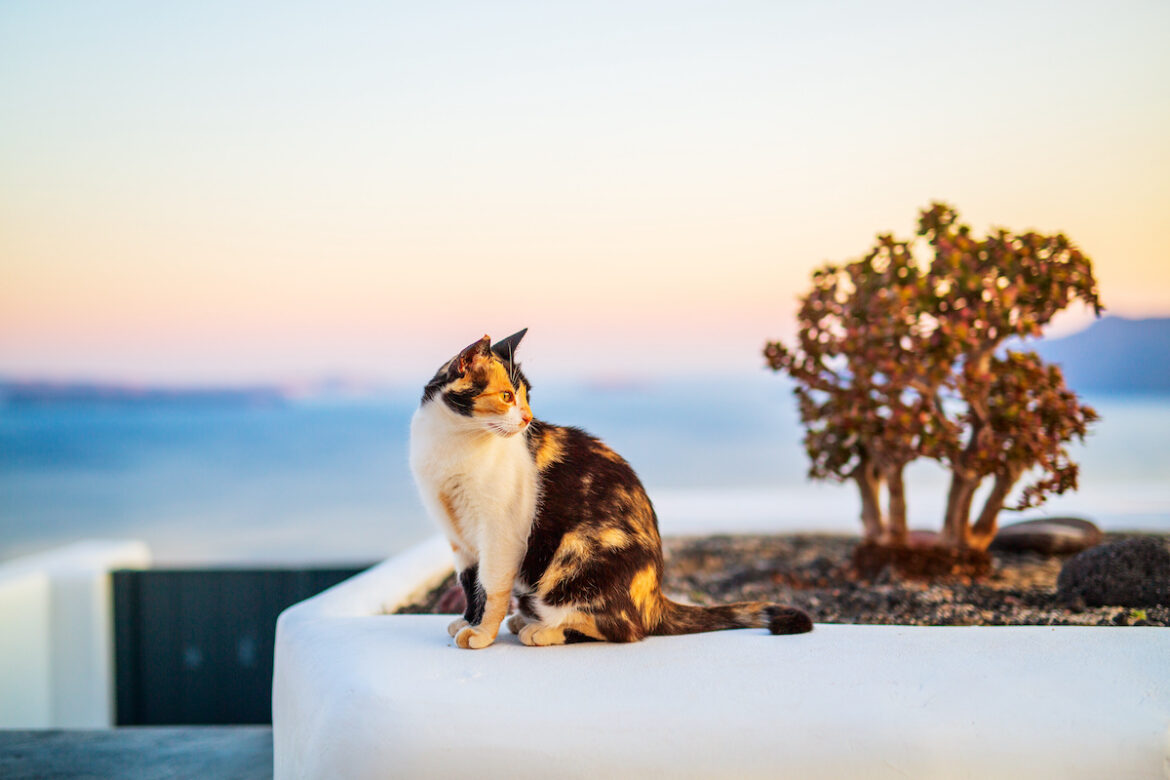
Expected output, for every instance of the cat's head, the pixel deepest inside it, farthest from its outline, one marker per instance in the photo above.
(484, 384)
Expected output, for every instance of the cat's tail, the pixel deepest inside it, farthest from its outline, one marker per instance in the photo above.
(687, 619)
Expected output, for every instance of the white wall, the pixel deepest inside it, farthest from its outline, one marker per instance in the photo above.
(358, 693)
(25, 692)
(57, 624)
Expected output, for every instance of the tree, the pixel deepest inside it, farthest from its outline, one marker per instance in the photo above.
(867, 401)
(1030, 416)
(985, 292)
(896, 359)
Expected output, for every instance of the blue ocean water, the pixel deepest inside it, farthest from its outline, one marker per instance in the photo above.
(316, 481)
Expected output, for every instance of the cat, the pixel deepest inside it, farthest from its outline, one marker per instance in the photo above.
(548, 514)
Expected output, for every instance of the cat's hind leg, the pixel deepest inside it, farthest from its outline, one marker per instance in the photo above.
(569, 626)
(540, 635)
(524, 611)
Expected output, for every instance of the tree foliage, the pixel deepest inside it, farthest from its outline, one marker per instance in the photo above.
(896, 359)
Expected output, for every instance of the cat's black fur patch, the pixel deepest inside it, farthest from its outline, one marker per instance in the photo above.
(787, 620)
(525, 606)
(589, 491)
(459, 401)
(577, 494)
(434, 387)
(473, 593)
(575, 637)
(463, 402)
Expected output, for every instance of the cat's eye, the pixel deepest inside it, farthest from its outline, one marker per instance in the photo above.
(506, 396)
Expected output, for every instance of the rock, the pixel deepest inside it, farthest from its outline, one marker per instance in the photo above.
(1131, 573)
(1049, 536)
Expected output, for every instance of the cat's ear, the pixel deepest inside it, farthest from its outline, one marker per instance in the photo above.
(506, 348)
(462, 362)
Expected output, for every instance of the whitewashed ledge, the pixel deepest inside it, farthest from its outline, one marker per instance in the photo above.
(57, 634)
(358, 693)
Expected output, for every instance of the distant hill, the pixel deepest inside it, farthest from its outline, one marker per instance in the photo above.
(25, 393)
(1114, 355)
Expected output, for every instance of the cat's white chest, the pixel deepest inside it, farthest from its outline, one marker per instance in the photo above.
(477, 487)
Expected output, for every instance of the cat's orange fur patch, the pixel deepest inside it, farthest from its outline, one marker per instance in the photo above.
(572, 552)
(748, 612)
(490, 400)
(453, 516)
(461, 384)
(573, 545)
(552, 448)
(586, 624)
(613, 538)
(624, 498)
(492, 377)
(644, 593)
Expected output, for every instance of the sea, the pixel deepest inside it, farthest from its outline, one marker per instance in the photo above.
(325, 479)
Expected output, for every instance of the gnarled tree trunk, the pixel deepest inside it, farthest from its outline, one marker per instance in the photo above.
(869, 484)
(956, 531)
(984, 529)
(896, 532)
(964, 482)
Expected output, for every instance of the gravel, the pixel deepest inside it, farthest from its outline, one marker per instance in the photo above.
(813, 572)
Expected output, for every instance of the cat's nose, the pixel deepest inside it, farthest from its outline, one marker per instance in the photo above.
(525, 417)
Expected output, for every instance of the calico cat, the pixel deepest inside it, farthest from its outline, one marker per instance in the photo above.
(548, 514)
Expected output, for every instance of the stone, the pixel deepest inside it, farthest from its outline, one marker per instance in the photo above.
(1048, 536)
(1133, 572)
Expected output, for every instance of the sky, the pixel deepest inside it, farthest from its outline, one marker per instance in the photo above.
(230, 193)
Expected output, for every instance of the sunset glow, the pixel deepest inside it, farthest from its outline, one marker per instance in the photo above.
(210, 194)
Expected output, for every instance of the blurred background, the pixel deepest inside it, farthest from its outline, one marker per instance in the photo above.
(236, 241)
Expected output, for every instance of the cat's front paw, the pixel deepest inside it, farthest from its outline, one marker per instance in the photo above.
(474, 637)
(456, 626)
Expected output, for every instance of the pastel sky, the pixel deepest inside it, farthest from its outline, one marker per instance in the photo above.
(225, 192)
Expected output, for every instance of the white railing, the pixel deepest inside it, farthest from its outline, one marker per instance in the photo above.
(57, 635)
